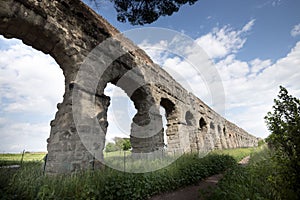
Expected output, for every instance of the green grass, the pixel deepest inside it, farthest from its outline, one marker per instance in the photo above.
(116, 154)
(250, 182)
(29, 182)
(15, 159)
(238, 153)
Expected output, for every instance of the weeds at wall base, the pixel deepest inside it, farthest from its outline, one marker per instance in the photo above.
(255, 181)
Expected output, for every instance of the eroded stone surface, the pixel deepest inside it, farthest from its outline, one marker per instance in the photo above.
(69, 31)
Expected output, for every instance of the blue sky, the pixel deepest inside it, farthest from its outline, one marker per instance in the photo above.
(255, 46)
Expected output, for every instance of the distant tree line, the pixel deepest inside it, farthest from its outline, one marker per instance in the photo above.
(118, 145)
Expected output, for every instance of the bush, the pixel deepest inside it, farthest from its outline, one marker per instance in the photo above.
(111, 147)
(238, 153)
(250, 182)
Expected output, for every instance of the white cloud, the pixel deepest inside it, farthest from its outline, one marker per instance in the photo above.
(248, 26)
(28, 84)
(224, 41)
(2, 120)
(31, 84)
(30, 81)
(296, 30)
(257, 65)
(250, 95)
(250, 87)
(18, 136)
(120, 113)
(276, 3)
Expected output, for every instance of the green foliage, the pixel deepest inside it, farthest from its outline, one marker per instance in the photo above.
(122, 143)
(111, 147)
(261, 142)
(250, 182)
(238, 153)
(29, 183)
(272, 173)
(140, 12)
(284, 125)
(126, 144)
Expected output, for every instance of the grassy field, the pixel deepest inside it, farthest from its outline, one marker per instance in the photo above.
(28, 182)
(14, 159)
(238, 154)
(116, 154)
(251, 182)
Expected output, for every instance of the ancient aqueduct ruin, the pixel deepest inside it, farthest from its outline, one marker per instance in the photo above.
(69, 31)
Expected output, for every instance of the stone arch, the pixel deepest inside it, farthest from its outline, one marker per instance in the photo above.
(69, 39)
(34, 27)
(69, 31)
(172, 117)
(142, 137)
(202, 123)
(131, 80)
(200, 137)
(224, 131)
(120, 113)
(169, 106)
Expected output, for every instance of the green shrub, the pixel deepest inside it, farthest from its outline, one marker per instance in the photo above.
(238, 153)
(284, 140)
(250, 182)
(111, 147)
(261, 142)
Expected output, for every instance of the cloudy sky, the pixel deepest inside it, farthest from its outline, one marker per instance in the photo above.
(254, 45)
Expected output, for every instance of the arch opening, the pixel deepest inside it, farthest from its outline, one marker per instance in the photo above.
(169, 119)
(163, 113)
(120, 113)
(202, 123)
(28, 102)
(143, 124)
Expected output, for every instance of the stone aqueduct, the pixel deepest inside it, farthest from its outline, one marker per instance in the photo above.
(68, 31)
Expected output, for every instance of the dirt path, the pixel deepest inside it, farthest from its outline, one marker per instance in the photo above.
(244, 161)
(196, 192)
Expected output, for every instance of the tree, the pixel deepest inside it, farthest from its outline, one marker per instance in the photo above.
(126, 144)
(284, 125)
(122, 143)
(140, 12)
(110, 147)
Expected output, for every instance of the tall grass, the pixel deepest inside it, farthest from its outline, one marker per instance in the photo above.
(14, 158)
(29, 183)
(238, 153)
(250, 182)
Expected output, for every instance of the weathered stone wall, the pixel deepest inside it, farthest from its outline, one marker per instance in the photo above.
(69, 31)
